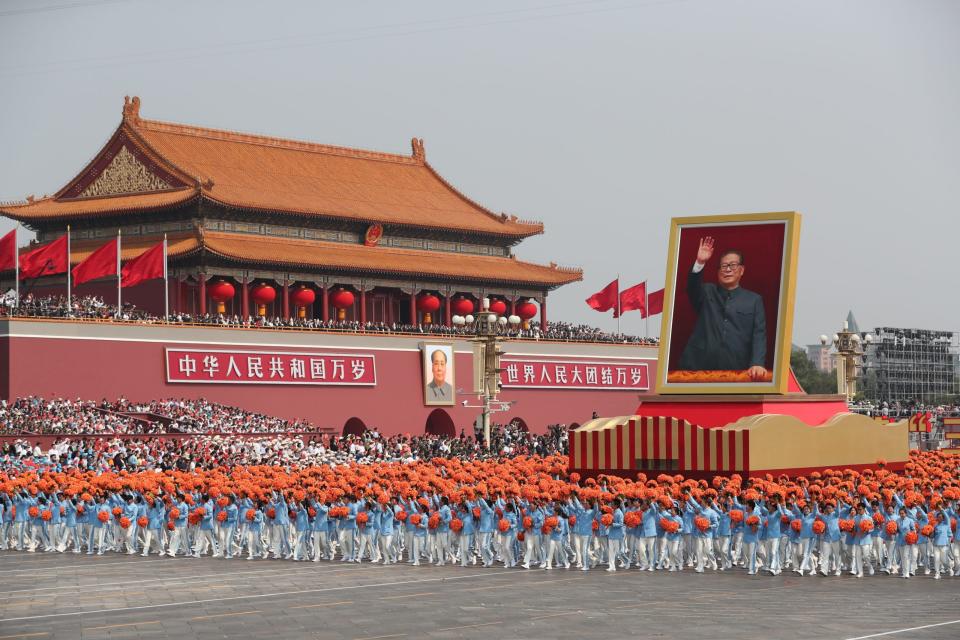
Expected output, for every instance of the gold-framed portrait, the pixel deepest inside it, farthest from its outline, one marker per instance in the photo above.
(728, 304)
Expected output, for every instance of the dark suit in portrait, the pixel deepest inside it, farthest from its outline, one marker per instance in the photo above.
(731, 328)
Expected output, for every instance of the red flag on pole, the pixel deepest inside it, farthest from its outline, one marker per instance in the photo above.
(146, 266)
(47, 260)
(8, 250)
(655, 303)
(99, 264)
(606, 298)
(634, 299)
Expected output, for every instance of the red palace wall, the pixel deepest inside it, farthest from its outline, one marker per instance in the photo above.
(108, 360)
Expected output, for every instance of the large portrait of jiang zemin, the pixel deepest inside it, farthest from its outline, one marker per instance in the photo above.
(728, 304)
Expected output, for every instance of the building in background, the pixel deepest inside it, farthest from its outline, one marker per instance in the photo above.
(912, 365)
(820, 356)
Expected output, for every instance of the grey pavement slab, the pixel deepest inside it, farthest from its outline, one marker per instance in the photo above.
(117, 596)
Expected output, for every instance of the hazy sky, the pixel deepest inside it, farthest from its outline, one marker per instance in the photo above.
(602, 118)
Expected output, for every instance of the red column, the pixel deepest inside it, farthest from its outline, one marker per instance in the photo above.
(447, 318)
(325, 303)
(203, 294)
(245, 299)
(543, 314)
(513, 306)
(178, 296)
(286, 299)
(363, 305)
(413, 308)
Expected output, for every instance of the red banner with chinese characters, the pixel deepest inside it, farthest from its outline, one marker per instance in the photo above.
(568, 374)
(210, 366)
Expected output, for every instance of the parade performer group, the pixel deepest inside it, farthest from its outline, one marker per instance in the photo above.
(523, 512)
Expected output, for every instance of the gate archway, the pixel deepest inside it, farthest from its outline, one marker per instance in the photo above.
(439, 423)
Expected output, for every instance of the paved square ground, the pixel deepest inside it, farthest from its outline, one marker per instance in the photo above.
(118, 596)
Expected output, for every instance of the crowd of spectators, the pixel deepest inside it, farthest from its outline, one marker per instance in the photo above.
(202, 416)
(95, 308)
(34, 415)
(230, 435)
(208, 451)
(898, 410)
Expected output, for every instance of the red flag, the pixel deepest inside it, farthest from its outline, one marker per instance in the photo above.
(146, 266)
(8, 251)
(47, 260)
(633, 299)
(605, 299)
(655, 303)
(100, 263)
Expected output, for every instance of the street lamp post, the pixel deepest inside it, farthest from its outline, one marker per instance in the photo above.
(487, 338)
(850, 349)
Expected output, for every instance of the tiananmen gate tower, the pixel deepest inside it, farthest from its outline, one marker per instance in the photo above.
(255, 223)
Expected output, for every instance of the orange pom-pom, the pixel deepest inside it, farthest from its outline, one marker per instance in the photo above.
(33, 512)
(503, 525)
(527, 522)
(927, 530)
(250, 515)
(103, 516)
(606, 519)
(572, 521)
(142, 521)
(402, 516)
(632, 519)
(174, 514)
(171, 526)
(124, 522)
(891, 528)
(819, 526)
(433, 521)
(736, 516)
(456, 525)
(476, 512)
(866, 526)
(701, 523)
(46, 515)
(911, 537)
(117, 511)
(362, 518)
(753, 520)
(271, 513)
(222, 516)
(796, 525)
(415, 519)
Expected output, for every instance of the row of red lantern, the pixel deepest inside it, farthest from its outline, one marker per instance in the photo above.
(263, 294)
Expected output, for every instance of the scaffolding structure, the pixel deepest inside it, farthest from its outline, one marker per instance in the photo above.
(912, 365)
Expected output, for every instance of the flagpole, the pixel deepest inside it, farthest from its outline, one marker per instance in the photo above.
(166, 287)
(16, 264)
(646, 310)
(119, 283)
(618, 304)
(69, 301)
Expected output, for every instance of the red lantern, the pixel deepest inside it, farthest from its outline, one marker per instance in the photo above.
(221, 291)
(263, 294)
(526, 310)
(428, 303)
(341, 299)
(462, 306)
(302, 298)
(498, 307)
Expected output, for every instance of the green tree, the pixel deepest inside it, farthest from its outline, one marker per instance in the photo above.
(810, 378)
